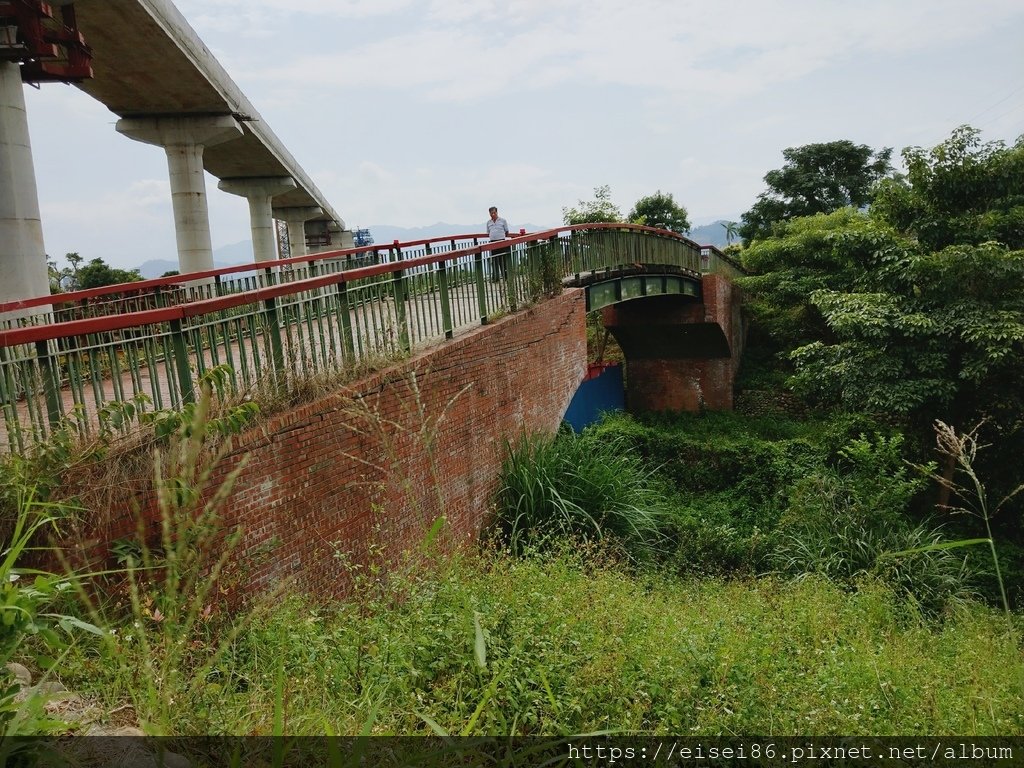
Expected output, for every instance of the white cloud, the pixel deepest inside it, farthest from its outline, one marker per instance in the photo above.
(461, 51)
(409, 113)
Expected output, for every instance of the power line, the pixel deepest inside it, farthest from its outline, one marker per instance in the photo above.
(997, 118)
(989, 108)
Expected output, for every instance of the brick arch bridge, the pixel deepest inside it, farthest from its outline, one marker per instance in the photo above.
(482, 360)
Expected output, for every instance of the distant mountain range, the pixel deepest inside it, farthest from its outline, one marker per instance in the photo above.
(225, 256)
(384, 234)
(710, 234)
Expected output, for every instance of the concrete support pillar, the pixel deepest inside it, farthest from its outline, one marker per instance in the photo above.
(260, 192)
(346, 239)
(184, 139)
(22, 255)
(295, 218)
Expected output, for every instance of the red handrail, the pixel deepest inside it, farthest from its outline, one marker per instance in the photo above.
(49, 331)
(176, 280)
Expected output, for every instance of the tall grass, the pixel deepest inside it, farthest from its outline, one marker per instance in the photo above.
(171, 585)
(844, 521)
(572, 643)
(584, 487)
(36, 627)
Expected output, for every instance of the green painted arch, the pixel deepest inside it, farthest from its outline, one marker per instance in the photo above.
(626, 287)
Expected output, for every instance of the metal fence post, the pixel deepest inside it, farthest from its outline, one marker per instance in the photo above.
(51, 383)
(555, 267)
(481, 295)
(183, 370)
(345, 313)
(8, 396)
(446, 301)
(511, 289)
(272, 320)
(401, 295)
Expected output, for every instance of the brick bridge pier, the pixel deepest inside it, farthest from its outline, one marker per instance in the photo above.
(681, 354)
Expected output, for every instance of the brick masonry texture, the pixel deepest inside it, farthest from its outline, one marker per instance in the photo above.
(669, 381)
(372, 466)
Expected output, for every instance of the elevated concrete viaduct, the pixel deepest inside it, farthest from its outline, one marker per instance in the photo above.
(148, 66)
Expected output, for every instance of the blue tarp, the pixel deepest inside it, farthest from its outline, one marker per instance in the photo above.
(601, 391)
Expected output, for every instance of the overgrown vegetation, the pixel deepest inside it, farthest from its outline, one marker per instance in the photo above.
(854, 571)
(585, 488)
(576, 641)
(738, 496)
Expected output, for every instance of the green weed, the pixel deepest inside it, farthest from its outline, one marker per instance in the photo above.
(585, 487)
(33, 626)
(574, 643)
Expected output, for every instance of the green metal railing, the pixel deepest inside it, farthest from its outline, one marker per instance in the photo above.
(315, 319)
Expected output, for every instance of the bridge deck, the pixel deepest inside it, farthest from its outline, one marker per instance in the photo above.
(329, 324)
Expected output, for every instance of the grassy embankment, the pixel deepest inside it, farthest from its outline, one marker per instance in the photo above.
(688, 595)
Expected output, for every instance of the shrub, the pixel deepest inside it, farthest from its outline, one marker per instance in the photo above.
(843, 521)
(710, 536)
(587, 486)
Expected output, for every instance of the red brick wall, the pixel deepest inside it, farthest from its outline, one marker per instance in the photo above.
(376, 464)
(691, 352)
(679, 385)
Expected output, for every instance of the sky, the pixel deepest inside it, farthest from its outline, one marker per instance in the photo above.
(413, 112)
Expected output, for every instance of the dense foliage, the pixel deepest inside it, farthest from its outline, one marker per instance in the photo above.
(587, 488)
(816, 178)
(913, 309)
(961, 192)
(95, 274)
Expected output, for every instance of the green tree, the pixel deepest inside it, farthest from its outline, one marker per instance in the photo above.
(64, 278)
(816, 178)
(938, 334)
(75, 260)
(934, 326)
(662, 211)
(910, 310)
(923, 320)
(54, 275)
(960, 192)
(98, 273)
(600, 209)
(732, 231)
(813, 253)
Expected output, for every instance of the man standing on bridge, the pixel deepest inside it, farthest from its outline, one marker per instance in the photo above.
(497, 229)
